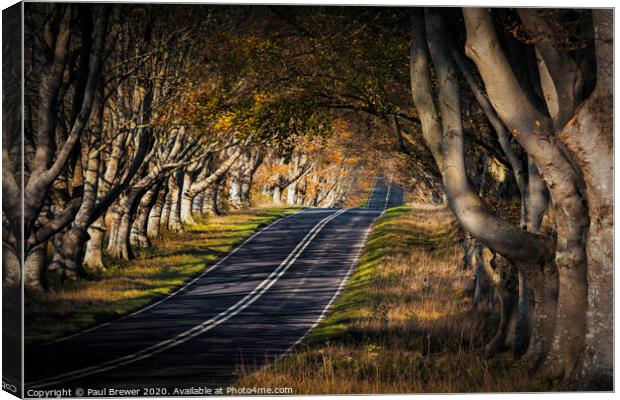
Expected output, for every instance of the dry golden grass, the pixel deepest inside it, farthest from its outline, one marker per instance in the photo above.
(127, 286)
(403, 324)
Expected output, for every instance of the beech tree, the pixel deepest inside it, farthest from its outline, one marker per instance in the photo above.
(562, 325)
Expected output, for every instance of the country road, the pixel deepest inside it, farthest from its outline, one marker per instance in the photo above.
(250, 308)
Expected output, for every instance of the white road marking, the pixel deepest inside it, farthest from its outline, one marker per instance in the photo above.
(331, 301)
(338, 291)
(179, 290)
(387, 197)
(371, 192)
(201, 328)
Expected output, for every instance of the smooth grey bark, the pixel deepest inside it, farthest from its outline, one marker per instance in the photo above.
(139, 236)
(34, 268)
(197, 203)
(210, 205)
(482, 299)
(93, 255)
(322, 196)
(70, 260)
(201, 184)
(337, 195)
(498, 126)
(113, 220)
(503, 275)
(444, 136)
(534, 132)
(155, 215)
(11, 268)
(589, 138)
(252, 164)
(277, 195)
(175, 187)
(165, 212)
(524, 313)
(44, 171)
(12, 161)
(299, 167)
(291, 194)
(564, 93)
(186, 201)
(537, 286)
(242, 175)
(534, 199)
(120, 244)
(234, 192)
(121, 247)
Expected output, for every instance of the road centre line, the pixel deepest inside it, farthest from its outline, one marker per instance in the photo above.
(371, 192)
(387, 198)
(201, 328)
(331, 301)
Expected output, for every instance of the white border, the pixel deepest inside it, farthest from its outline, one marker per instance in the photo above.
(487, 3)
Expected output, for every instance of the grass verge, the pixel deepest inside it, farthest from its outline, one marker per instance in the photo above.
(156, 272)
(403, 324)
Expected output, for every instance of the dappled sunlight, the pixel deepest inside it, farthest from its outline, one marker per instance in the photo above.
(127, 285)
(404, 324)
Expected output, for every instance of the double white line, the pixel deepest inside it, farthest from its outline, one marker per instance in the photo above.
(372, 191)
(331, 301)
(203, 327)
(176, 292)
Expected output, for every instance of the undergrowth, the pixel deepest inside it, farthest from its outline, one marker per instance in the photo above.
(125, 286)
(404, 323)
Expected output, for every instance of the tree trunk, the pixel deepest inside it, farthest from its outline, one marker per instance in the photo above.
(93, 257)
(11, 268)
(504, 278)
(138, 236)
(165, 211)
(189, 193)
(534, 132)
(121, 246)
(291, 194)
(253, 160)
(245, 189)
(444, 137)
(68, 260)
(210, 203)
(114, 221)
(544, 285)
(74, 241)
(234, 191)
(186, 201)
(197, 203)
(120, 243)
(186, 210)
(174, 221)
(524, 312)
(589, 138)
(277, 196)
(34, 268)
(154, 223)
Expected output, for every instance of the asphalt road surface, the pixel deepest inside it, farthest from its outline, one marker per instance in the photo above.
(251, 308)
